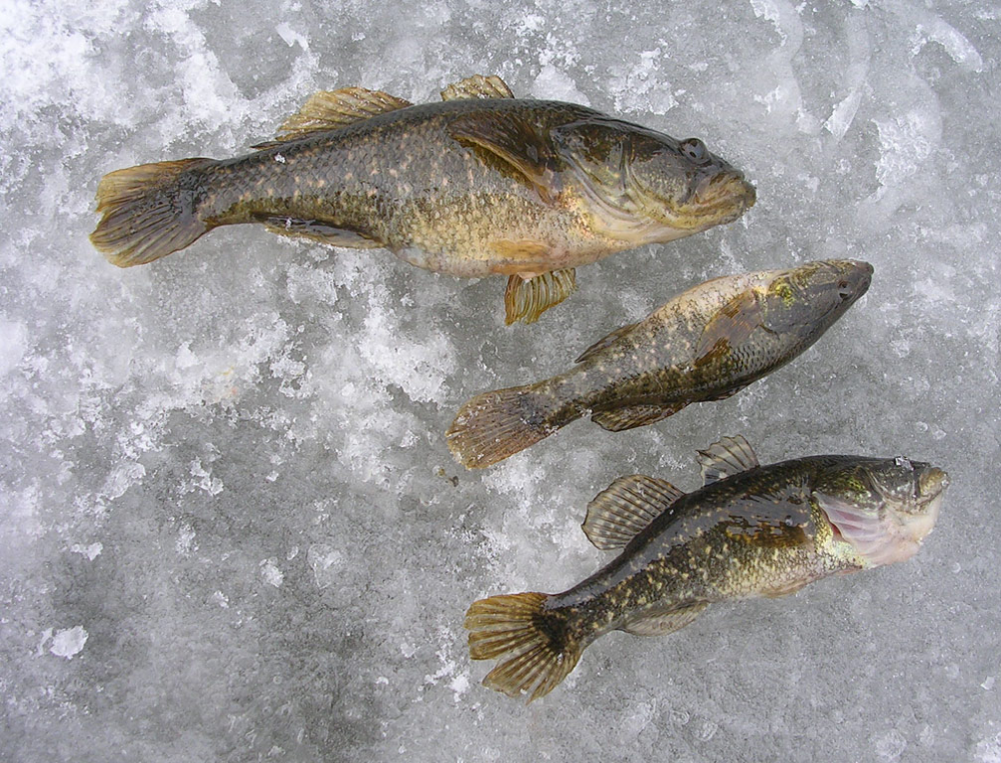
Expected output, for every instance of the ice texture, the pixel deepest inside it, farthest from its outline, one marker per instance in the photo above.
(230, 528)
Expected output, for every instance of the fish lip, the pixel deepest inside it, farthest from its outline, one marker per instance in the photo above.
(863, 266)
(724, 187)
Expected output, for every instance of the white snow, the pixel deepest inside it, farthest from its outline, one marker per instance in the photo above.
(68, 643)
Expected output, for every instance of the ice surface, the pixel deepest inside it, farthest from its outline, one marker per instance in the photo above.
(229, 525)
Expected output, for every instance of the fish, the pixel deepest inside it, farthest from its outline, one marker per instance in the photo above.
(708, 343)
(480, 183)
(750, 531)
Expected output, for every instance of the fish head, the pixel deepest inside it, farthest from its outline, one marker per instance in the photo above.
(881, 508)
(800, 304)
(683, 186)
(642, 186)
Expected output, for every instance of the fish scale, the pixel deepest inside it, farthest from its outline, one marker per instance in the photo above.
(706, 344)
(479, 184)
(751, 530)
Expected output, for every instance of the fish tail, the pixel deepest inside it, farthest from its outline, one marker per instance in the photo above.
(535, 647)
(148, 212)
(492, 426)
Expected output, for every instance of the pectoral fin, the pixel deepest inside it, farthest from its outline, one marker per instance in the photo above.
(333, 109)
(605, 341)
(634, 416)
(525, 300)
(317, 230)
(517, 144)
(477, 86)
(658, 620)
(729, 328)
(625, 508)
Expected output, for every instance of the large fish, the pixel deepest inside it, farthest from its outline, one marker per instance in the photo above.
(480, 183)
(706, 344)
(750, 531)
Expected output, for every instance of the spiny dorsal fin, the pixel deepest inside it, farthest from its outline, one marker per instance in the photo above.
(605, 341)
(625, 508)
(660, 620)
(522, 147)
(729, 456)
(634, 416)
(333, 109)
(477, 86)
(525, 300)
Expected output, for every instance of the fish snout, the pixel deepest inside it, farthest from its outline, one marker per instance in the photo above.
(725, 186)
(855, 279)
(932, 482)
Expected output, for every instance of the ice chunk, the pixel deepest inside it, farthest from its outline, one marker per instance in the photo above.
(69, 643)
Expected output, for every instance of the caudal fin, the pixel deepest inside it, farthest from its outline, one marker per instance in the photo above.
(492, 426)
(534, 646)
(147, 211)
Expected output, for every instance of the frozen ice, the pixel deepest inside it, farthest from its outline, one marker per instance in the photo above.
(230, 528)
(68, 643)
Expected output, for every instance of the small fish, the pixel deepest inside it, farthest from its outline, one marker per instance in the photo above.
(478, 184)
(751, 530)
(708, 343)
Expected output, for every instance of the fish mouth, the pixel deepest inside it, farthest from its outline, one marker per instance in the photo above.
(859, 278)
(853, 279)
(722, 197)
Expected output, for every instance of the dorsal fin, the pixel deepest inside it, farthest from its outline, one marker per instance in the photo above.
(625, 508)
(633, 416)
(522, 147)
(477, 86)
(605, 341)
(729, 456)
(333, 109)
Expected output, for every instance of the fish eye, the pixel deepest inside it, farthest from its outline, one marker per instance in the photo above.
(694, 149)
(844, 290)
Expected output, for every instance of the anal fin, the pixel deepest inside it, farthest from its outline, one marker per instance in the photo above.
(634, 416)
(320, 231)
(658, 620)
(525, 300)
(728, 393)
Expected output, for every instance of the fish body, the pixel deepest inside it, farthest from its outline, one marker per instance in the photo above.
(750, 531)
(706, 344)
(481, 183)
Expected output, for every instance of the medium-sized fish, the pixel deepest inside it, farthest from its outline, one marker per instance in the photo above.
(708, 343)
(750, 531)
(478, 184)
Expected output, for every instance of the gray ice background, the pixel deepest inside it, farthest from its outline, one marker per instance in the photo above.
(230, 529)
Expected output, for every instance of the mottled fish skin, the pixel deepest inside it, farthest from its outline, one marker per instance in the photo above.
(765, 531)
(706, 344)
(470, 186)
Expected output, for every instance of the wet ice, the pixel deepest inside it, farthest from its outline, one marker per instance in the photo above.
(228, 523)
